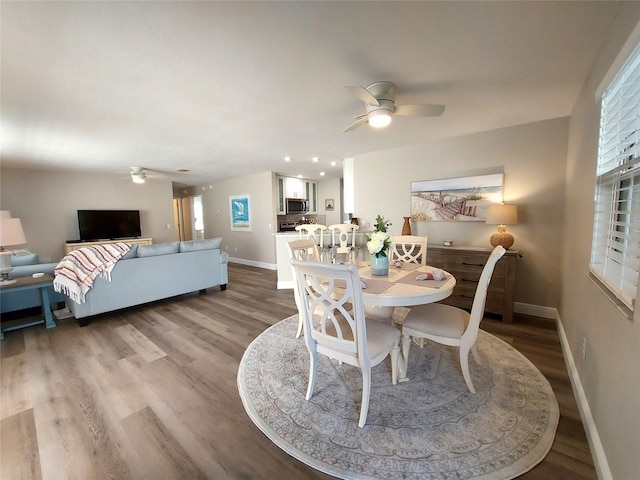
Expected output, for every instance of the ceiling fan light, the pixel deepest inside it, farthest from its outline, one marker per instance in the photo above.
(137, 177)
(379, 118)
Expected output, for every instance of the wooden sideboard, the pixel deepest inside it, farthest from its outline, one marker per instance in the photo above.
(68, 247)
(466, 264)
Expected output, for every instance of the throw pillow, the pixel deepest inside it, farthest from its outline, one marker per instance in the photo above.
(21, 260)
(159, 249)
(195, 245)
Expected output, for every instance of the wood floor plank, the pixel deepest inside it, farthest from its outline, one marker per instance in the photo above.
(15, 391)
(139, 343)
(151, 391)
(19, 456)
(157, 448)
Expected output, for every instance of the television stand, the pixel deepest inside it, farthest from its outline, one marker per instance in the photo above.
(76, 245)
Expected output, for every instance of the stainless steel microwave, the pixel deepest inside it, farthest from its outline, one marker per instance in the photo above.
(297, 205)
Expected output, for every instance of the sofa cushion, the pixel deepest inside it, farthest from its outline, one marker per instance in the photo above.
(21, 260)
(195, 245)
(158, 249)
(132, 253)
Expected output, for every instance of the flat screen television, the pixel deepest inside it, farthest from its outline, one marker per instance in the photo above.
(108, 224)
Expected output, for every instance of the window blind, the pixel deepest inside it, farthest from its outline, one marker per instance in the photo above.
(615, 250)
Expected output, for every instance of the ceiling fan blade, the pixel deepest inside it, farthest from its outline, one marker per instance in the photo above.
(363, 94)
(357, 123)
(419, 110)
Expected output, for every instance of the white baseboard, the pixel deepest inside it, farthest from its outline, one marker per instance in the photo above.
(597, 451)
(285, 284)
(535, 310)
(253, 263)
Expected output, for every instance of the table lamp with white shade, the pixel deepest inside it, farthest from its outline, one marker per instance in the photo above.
(502, 215)
(11, 234)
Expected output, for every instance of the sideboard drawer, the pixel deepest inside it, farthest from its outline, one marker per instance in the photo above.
(466, 265)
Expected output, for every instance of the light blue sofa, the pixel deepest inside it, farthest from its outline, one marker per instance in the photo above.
(152, 272)
(25, 266)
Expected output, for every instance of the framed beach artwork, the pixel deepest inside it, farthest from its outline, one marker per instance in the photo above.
(240, 209)
(463, 199)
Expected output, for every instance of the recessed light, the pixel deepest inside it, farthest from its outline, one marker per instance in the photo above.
(322, 174)
(333, 164)
(315, 159)
(300, 176)
(287, 159)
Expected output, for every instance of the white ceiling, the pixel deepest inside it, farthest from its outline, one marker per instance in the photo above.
(230, 88)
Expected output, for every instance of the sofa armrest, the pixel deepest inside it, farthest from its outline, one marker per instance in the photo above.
(28, 270)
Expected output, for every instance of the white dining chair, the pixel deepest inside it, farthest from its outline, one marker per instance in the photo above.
(408, 249)
(311, 230)
(305, 250)
(343, 241)
(450, 325)
(335, 324)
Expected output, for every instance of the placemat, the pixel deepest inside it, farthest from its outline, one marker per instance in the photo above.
(411, 280)
(405, 266)
(373, 286)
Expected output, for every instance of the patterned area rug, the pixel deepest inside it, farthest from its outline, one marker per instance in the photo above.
(430, 427)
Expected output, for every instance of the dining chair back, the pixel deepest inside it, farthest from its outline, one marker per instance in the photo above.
(310, 230)
(450, 325)
(304, 250)
(343, 240)
(335, 324)
(408, 249)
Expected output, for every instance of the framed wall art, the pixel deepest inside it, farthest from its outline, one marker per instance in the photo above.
(463, 199)
(329, 204)
(240, 212)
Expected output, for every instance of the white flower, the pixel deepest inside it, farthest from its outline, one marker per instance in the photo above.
(377, 242)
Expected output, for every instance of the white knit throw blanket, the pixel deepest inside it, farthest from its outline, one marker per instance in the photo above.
(77, 270)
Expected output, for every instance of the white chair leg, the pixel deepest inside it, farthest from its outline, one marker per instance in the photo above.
(476, 354)
(366, 393)
(300, 323)
(395, 365)
(313, 369)
(464, 365)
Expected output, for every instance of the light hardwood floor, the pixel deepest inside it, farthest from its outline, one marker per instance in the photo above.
(151, 393)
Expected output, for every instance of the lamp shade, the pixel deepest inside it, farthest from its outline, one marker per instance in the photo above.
(502, 215)
(11, 232)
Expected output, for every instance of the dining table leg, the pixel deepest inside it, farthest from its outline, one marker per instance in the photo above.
(378, 313)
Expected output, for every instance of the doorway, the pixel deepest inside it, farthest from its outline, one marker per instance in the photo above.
(188, 218)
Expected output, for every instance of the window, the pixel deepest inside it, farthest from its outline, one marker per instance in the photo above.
(615, 251)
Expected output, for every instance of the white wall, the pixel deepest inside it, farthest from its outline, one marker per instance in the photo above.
(47, 202)
(533, 159)
(329, 188)
(610, 372)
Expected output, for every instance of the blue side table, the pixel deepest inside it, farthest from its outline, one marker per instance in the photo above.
(30, 283)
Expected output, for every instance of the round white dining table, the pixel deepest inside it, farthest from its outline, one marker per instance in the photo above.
(400, 288)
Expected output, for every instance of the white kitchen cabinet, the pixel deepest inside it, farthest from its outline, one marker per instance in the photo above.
(282, 205)
(292, 187)
(311, 194)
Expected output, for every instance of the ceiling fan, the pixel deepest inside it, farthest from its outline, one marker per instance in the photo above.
(138, 175)
(379, 99)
